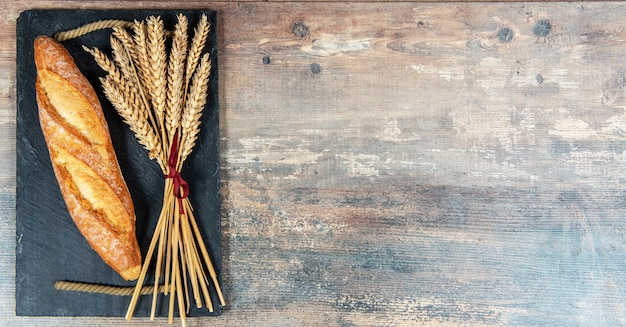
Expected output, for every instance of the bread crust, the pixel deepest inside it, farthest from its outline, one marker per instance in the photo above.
(83, 158)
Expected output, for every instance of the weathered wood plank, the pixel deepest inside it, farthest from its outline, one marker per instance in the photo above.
(396, 164)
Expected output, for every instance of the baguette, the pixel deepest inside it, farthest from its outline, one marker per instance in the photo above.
(83, 159)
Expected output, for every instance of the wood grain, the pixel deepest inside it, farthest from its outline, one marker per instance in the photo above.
(403, 164)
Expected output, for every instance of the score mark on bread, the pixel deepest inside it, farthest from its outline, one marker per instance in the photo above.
(83, 158)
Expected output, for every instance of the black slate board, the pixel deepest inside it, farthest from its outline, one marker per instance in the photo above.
(49, 246)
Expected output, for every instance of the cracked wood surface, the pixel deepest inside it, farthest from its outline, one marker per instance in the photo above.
(403, 164)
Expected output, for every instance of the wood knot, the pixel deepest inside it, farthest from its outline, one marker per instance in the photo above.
(539, 78)
(316, 68)
(505, 35)
(542, 27)
(300, 29)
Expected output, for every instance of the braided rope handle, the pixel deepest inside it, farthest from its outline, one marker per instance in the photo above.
(63, 285)
(91, 27)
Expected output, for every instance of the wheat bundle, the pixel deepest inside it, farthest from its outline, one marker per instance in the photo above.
(160, 92)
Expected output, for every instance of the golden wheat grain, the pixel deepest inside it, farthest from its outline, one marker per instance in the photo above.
(176, 76)
(158, 65)
(128, 68)
(197, 45)
(126, 39)
(123, 60)
(135, 119)
(114, 74)
(131, 79)
(143, 60)
(134, 99)
(105, 63)
(196, 99)
(126, 95)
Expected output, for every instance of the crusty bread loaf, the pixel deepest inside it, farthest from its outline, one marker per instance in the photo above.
(83, 158)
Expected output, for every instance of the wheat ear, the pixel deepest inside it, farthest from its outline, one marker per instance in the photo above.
(124, 62)
(126, 39)
(106, 64)
(176, 76)
(158, 66)
(135, 118)
(143, 60)
(123, 58)
(197, 45)
(124, 95)
(196, 99)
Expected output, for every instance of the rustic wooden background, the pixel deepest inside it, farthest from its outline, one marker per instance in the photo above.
(402, 164)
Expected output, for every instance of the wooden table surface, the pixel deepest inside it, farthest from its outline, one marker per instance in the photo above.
(402, 164)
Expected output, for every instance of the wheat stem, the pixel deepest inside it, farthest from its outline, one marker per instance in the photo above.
(144, 269)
